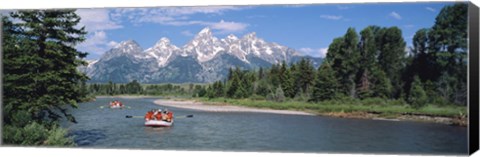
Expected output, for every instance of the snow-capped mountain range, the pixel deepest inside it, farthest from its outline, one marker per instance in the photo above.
(204, 59)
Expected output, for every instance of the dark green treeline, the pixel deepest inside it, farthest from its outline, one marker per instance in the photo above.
(135, 88)
(372, 63)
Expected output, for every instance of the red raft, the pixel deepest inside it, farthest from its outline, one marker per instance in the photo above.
(157, 118)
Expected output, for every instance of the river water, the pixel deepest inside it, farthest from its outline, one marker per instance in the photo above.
(258, 132)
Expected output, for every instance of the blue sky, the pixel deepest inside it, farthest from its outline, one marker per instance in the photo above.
(307, 28)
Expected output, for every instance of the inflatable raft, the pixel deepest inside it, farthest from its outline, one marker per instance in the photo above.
(158, 123)
(116, 106)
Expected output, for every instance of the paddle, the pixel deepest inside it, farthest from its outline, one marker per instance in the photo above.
(186, 116)
(128, 116)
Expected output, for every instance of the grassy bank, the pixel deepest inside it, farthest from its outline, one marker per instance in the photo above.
(379, 107)
(384, 108)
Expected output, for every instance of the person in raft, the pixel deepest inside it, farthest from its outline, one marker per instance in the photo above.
(114, 103)
(167, 115)
(157, 114)
(117, 103)
(151, 115)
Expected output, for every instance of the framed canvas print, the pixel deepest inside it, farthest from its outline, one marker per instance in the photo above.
(355, 78)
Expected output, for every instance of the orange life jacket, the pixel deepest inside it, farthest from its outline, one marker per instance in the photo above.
(149, 115)
(158, 116)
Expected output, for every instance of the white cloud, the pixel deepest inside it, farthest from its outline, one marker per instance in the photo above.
(195, 10)
(168, 15)
(430, 9)
(112, 44)
(187, 33)
(331, 17)
(97, 20)
(395, 15)
(179, 16)
(228, 27)
(97, 43)
(321, 52)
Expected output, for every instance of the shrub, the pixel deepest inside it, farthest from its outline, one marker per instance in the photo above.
(35, 134)
(58, 137)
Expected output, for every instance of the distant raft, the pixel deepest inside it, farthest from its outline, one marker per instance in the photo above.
(117, 106)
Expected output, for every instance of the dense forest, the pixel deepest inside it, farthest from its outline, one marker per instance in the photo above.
(135, 88)
(40, 76)
(374, 63)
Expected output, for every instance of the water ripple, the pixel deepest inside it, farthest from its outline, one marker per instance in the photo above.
(87, 137)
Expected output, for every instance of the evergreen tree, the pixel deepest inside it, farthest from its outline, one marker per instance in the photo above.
(449, 41)
(367, 63)
(234, 83)
(218, 90)
(134, 87)
(286, 81)
(274, 75)
(40, 72)
(305, 75)
(326, 85)
(261, 73)
(392, 57)
(262, 88)
(111, 88)
(382, 87)
(344, 57)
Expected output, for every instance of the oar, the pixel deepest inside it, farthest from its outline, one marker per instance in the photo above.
(186, 116)
(129, 116)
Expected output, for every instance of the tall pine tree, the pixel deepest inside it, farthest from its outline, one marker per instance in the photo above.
(326, 85)
(40, 71)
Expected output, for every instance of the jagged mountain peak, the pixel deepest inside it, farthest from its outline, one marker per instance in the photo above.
(163, 43)
(205, 32)
(125, 47)
(126, 43)
(164, 40)
(252, 35)
(204, 58)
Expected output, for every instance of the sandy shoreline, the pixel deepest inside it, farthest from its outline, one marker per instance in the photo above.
(224, 108)
(189, 104)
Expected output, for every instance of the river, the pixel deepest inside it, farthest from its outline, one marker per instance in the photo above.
(258, 132)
